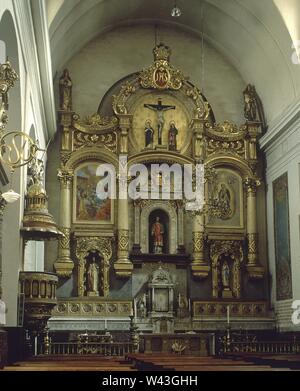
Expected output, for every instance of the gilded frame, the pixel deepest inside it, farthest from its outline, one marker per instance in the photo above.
(86, 222)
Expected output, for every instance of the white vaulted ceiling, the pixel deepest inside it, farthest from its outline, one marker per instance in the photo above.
(254, 35)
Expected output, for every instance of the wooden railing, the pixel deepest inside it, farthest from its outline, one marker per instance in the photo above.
(86, 348)
(276, 347)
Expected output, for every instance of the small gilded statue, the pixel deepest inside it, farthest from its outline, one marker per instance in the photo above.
(157, 231)
(35, 172)
(142, 306)
(149, 133)
(226, 275)
(250, 108)
(93, 278)
(173, 132)
(65, 91)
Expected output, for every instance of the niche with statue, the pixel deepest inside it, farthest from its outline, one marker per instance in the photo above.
(93, 274)
(227, 259)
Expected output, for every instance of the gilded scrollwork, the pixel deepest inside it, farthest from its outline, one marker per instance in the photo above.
(64, 242)
(65, 157)
(123, 239)
(8, 77)
(65, 176)
(203, 109)
(239, 309)
(198, 242)
(252, 240)
(119, 101)
(83, 140)
(226, 131)
(251, 185)
(218, 146)
(94, 123)
(161, 75)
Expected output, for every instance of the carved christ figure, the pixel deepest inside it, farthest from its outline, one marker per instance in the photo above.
(157, 231)
(159, 109)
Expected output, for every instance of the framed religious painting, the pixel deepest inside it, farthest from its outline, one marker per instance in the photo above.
(282, 238)
(88, 208)
(226, 197)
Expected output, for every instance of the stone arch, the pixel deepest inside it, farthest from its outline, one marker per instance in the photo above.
(173, 223)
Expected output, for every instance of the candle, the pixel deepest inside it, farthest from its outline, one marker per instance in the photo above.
(228, 315)
(135, 308)
(105, 324)
(189, 305)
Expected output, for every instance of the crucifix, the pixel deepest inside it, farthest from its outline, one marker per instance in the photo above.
(159, 108)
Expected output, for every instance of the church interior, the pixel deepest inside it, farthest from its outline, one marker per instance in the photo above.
(150, 185)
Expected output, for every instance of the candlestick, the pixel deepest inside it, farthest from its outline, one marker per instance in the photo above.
(228, 315)
(135, 308)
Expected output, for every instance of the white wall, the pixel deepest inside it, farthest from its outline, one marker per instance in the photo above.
(24, 114)
(283, 155)
(124, 50)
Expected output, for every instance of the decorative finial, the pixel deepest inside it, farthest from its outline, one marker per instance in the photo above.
(162, 52)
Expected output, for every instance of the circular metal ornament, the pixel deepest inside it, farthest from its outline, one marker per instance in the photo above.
(17, 149)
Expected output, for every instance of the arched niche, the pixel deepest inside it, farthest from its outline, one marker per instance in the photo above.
(169, 210)
(164, 220)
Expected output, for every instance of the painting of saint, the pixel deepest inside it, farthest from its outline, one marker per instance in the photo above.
(89, 207)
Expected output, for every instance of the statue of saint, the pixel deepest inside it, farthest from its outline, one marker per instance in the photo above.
(149, 133)
(157, 231)
(142, 306)
(225, 275)
(93, 277)
(65, 91)
(250, 109)
(173, 132)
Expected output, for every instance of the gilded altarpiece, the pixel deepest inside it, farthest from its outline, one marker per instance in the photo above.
(159, 117)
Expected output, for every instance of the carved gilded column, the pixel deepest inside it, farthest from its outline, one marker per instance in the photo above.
(64, 264)
(124, 126)
(137, 216)
(123, 266)
(253, 265)
(199, 266)
(198, 126)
